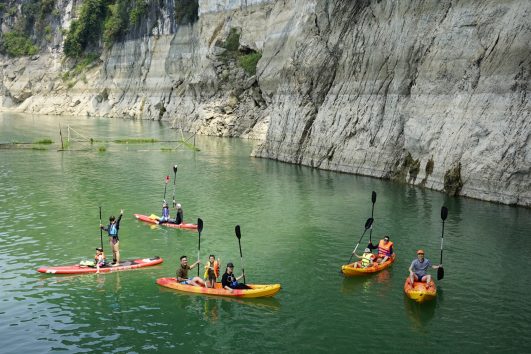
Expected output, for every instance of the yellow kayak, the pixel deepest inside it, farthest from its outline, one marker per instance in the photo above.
(355, 269)
(420, 291)
(256, 290)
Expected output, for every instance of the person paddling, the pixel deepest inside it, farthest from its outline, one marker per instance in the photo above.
(385, 249)
(114, 241)
(229, 281)
(418, 270)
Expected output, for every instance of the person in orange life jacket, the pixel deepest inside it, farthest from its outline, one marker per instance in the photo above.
(418, 270)
(165, 213)
(212, 271)
(366, 259)
(112, 229)
(182, 273)
(99, 259)
(179, 217)
(229, 281)
(385, 249)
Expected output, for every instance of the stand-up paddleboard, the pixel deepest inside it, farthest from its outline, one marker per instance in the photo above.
(124, 265)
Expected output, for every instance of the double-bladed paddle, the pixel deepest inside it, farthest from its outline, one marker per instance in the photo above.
(239, 236)
(368, 225)
(174, 179)
(101, 232)
(444, 215)
(373, 197)
(199, 229)
(166, 180)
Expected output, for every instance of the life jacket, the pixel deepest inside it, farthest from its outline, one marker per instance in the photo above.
(383, 249)
(216, 269)
(366, 259)
(113, 231)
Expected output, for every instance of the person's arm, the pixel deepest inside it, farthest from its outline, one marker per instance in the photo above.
(225, 283)
(411, 268)
(119, 219)
(371, 246)
(196, 263)
(391, 250)
(104, 228)
(238, 278)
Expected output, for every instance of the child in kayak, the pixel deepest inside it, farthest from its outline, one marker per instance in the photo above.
(367, 259)
(229, 281)
(99, 259)
(211, 271)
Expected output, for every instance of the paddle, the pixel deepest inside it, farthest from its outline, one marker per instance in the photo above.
(174, 179)
(239, 236)
(166, 180)
(101, 232)
(444, 215)
(199, 229)
(372, 214)
(368, 224)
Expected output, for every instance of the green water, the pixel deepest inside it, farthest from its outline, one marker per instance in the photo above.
(298, 226)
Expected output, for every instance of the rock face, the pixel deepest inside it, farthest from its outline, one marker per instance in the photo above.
(432, 93)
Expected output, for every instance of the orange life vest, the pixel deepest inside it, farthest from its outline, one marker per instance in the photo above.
(384, 250)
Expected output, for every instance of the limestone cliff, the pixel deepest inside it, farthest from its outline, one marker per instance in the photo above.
(431, 92)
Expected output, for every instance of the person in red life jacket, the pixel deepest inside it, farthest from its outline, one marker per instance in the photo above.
(229, 281)
(385, 249)
(211, 271)
(112, 229)
(418, 270)
(367, 259)
(182, 273)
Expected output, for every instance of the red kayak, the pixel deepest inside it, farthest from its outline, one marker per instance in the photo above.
(124, 265)
(153, 220)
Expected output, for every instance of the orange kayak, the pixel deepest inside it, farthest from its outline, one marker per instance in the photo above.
(420, 291)
(255, 291)
(355, 269)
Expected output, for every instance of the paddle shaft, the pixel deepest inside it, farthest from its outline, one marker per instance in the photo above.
(166, 180)
(174, 179)
(241, 258)
(440, 270)
(368, 224)
(101, 232)
(373, 198)
(199, 229)
(442, 241)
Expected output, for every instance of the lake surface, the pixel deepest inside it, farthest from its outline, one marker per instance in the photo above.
(298, 226)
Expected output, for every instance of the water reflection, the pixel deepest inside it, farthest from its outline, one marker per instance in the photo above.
(420, 314)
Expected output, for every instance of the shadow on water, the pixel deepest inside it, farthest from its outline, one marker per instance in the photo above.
(351, 285)
(420, 314)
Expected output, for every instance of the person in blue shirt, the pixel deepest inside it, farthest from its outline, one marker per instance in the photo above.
(114, 241)
(418, 270)
(165, 213)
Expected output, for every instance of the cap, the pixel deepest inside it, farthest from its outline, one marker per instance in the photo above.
(420, 252)
(230, 265)
(367, 250)
(99, 249)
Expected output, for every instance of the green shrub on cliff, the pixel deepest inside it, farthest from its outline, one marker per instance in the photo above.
(249, 61)
(86, 30)
(17, 44)
(116, 24)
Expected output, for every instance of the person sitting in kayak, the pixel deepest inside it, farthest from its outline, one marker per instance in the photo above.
(211, 271)
(99, 259)
(229, 281)
(179, 217)
(112, 229)
(182, 273)
(385, 249)
(367, 259)
(418, 270)
(165, 213)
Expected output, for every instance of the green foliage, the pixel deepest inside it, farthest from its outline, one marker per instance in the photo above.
(18, 44)
(38, 148)
(44, 141)
(186, 11)
(139, 10)
(87, 30)
(102, 149)
(116, 24)
(249, 61)
(232, 43)
(135, 141)
(2, 7)
(81, 66)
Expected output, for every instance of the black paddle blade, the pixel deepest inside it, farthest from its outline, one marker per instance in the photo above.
(174, 169)
(440, 273)
(373, 197)
(199, 225)
(368, 223)
(444, 213)
(238, 232)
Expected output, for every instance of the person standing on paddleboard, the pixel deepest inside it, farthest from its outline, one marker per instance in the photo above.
(112, 229)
